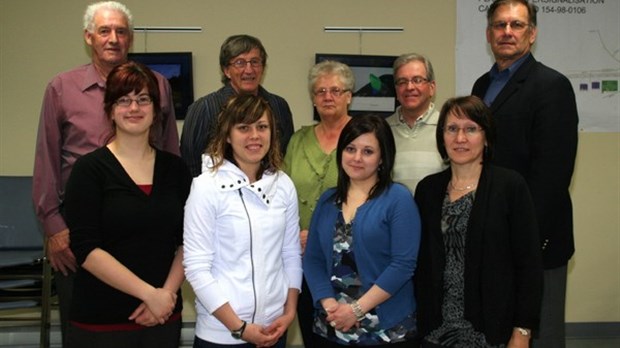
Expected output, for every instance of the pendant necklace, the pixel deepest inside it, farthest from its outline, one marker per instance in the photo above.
(465, 188)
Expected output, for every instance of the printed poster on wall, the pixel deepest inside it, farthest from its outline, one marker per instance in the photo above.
(579, 38)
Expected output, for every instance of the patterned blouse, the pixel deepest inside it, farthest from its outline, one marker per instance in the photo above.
(347, 285)
(456, 331)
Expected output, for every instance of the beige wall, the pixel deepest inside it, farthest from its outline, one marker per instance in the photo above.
(41, 38)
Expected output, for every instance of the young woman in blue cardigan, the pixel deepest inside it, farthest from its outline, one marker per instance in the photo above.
(363, 244)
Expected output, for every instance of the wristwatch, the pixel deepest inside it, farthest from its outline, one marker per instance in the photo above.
(239, 332)
(523, 332)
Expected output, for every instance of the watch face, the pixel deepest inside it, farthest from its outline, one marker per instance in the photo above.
(237, 334)
(523, 331)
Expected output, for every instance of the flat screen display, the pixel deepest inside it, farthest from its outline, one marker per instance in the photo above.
(177, 68)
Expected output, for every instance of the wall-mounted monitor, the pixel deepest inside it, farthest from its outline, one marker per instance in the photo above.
(177, 68)
(374, 83)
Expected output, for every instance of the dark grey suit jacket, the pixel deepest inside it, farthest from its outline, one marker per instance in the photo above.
(536, 120)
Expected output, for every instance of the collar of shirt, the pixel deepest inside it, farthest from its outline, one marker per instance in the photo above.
(421, 119)
(92, 78)
(495, 73)
(499, 79)
(230, 91)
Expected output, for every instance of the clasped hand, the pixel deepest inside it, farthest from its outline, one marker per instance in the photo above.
(156, 308)
(268, 336)
(340, 316)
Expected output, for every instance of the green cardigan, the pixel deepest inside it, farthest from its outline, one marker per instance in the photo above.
(312, 171)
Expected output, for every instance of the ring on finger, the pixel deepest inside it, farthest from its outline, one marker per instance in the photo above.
(332, 323)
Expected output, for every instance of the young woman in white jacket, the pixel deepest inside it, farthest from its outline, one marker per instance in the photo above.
(242, 253)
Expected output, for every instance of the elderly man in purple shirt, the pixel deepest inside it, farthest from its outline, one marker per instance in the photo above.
(74, 123)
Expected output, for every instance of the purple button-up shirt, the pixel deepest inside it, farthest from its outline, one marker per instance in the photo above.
(73, 123)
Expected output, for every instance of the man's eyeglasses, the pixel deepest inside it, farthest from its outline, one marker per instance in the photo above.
(335, 91)
(242, 63)
(469, 131)
(142, 100)
(416, 81)
(514, 25)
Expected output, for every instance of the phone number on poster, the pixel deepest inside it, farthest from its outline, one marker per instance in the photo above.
(563, 9)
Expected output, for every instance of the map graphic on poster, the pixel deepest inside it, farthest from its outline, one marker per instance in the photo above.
(579, 38)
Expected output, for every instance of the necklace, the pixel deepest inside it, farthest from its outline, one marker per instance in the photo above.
(466, 188)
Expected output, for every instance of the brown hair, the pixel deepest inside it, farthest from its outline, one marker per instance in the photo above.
(471, 108)
(246, 109)
(133, 77)
(531, 9)
(357, 126)
(236, 45)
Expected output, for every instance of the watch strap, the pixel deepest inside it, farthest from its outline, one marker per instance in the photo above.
(239, 332)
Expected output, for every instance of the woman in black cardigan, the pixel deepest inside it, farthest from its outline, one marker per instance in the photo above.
(124, 207)
(479, 275)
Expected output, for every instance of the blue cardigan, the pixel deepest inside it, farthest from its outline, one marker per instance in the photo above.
(386, 233)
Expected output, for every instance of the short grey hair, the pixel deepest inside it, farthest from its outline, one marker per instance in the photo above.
(415, 57)
(92, 9)
(331, 67)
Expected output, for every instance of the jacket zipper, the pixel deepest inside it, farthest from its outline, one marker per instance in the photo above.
(251, 254)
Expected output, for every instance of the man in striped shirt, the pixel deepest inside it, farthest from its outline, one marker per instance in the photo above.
(242, 63)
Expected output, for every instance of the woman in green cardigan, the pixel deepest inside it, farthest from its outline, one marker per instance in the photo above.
(311, 157)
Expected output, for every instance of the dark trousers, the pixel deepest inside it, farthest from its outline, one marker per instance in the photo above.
(64, 291)
(160, 336)
(305, 315)
(552, 326)
(200, 343)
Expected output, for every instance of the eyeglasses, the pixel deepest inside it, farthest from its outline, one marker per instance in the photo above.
(469, 131)
(416, 81)
(142, 100)
(514, 25)
(242, 63)
(335, 91)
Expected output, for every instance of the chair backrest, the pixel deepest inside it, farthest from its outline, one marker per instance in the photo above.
(19, 228)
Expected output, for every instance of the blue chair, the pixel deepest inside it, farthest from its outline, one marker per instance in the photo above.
(25, 274)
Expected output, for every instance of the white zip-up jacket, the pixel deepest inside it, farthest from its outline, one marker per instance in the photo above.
(241, 246)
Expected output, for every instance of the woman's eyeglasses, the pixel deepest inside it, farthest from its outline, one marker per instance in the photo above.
(469, 131)
(142, 100)
(335, 91)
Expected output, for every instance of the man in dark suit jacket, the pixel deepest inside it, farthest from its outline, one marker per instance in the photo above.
(535, 113)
